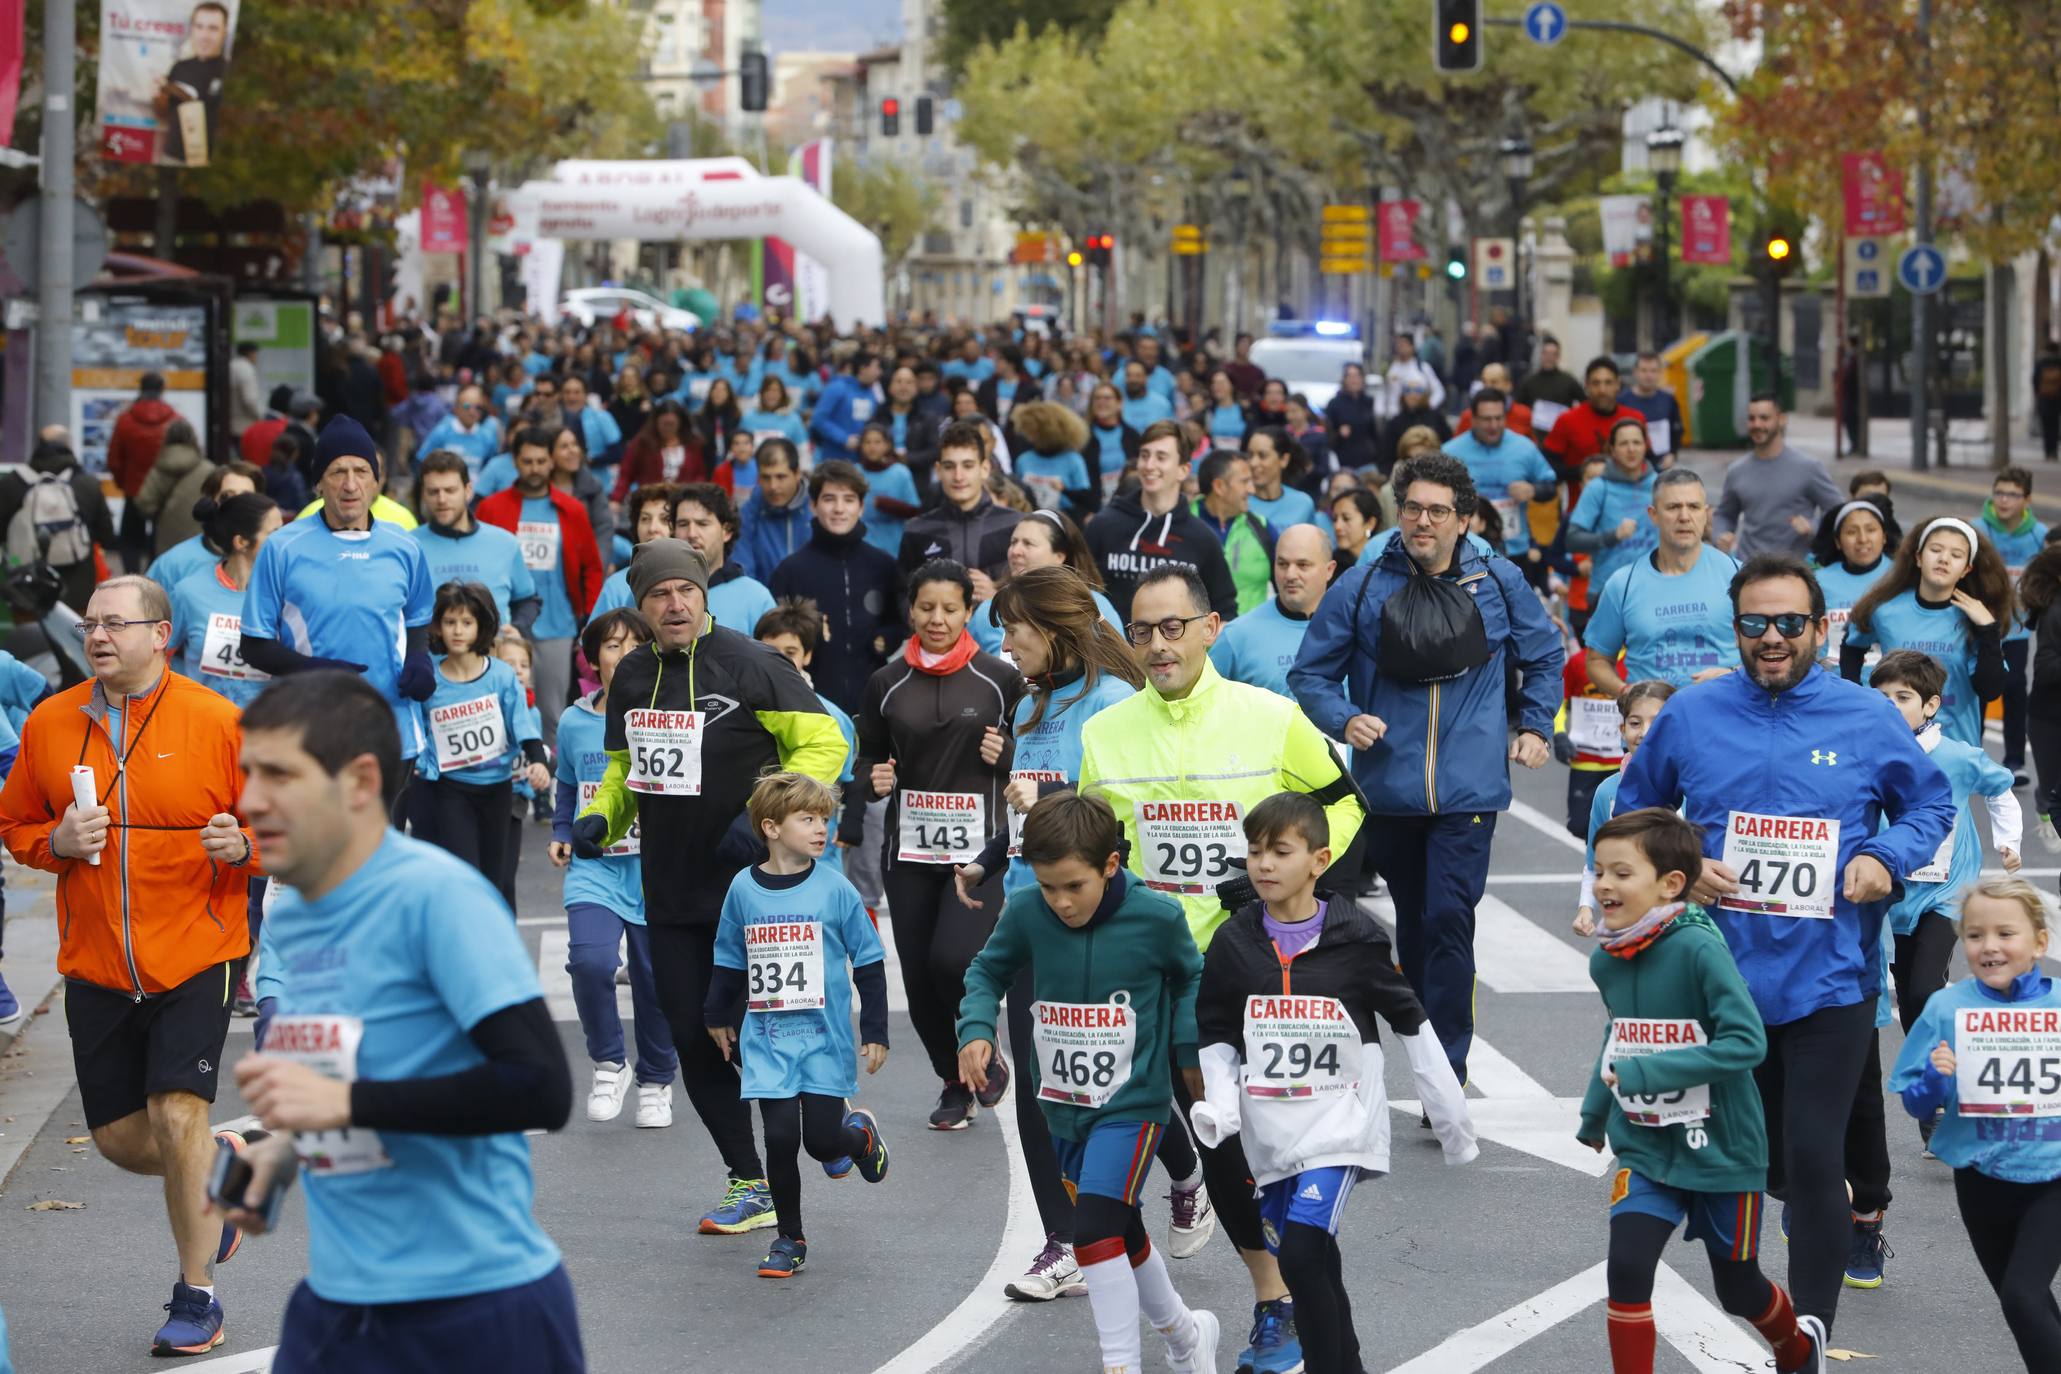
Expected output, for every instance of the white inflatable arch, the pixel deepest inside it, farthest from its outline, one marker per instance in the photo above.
(617, 201)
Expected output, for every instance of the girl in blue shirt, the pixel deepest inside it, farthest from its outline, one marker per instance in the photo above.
(604, 902)
(480, 734)
(207, 606)
(891, 496)
(1946, 594)
(2001, 1130)
(1227, 419)
(774, 417)
(1860, 536)
(1278, 463)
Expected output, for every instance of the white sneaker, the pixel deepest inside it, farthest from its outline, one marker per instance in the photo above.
(1815, 1329)
(605, 1097)
(1053, 1274)
(654, 1104)
(1194, 1221)
(1201, 1358)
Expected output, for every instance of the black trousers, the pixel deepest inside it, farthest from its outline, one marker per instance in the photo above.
(936, 937)
(2016, 1231)
(2050, 425)
(683, 959)
(1919, 965)
(2045, 734)
(2017, 654)
(809, 1122)
(470, 820)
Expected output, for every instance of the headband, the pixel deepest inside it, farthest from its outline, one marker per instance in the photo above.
(1966, 531)
(1850, 507)
(1051, 515)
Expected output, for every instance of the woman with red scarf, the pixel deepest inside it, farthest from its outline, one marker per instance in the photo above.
(934, 737)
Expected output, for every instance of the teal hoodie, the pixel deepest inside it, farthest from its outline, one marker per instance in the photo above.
(1685, 974)
(1137, 945)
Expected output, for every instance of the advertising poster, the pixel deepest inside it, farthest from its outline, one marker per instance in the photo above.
(1627, 228)
(284, 331)
(112, 351)
(1399, 230)
(162, 65)
(1707, 230)
(1874, 195)
(445, 223)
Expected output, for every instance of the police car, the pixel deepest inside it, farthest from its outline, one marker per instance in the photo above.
(1309, 355)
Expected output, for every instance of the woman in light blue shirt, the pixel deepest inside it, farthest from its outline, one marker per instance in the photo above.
(207, 606)
(1044, 539)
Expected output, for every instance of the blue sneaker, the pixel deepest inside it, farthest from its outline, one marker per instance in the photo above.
(1274, 1348)
(839, 1169)
(1866, 1252)
(747, 1205)
(872, 1164)
(10, 1010)
(195, 1326)
(785, 1259)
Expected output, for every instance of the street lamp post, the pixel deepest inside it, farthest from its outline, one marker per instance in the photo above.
(1517, 168)
(478, 166)
(1664, 156)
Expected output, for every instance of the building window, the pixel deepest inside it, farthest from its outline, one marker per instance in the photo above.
(965, 214)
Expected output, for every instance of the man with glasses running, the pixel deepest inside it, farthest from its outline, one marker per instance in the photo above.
(1181, 763)
(1790, 773)
(1428, 722)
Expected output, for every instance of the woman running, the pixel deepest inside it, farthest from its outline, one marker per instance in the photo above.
(207, 606)
(1044, 539)
(1947, 594)
(1855, 562)
(932, 737)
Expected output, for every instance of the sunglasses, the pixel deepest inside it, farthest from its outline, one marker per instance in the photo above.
(1790, 624)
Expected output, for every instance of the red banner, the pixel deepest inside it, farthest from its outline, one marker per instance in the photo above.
(444, 226)
(1398, 220)
(1874, 195)
(1707, 229)
(10, 67)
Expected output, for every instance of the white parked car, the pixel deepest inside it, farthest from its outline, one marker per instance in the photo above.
(1309, 357)
(590, 303)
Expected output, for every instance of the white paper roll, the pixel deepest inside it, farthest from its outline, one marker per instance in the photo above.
(85, 793)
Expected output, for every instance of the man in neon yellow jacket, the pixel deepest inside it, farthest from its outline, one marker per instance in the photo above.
(1181, 763)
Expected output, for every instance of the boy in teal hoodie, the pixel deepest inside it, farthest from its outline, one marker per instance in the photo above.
(1673, 1091)
(1115, 976)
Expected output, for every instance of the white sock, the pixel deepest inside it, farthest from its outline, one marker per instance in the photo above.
(1113, 1297)
(1161, 1304)
(1192, 1182)
(207, 1288)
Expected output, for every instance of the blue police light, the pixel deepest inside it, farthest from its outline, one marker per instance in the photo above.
(1334, 329)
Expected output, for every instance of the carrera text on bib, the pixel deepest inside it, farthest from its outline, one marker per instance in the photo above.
(1188, 846)
(221, 653)
(1631, 1037)
(941, 827)
(468, 732)
(1084, 1049)
(329, 1046)
(631, 843)
(2007, 1061)
(783, 966)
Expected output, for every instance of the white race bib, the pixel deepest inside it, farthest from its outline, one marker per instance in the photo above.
(468, 733)
(941, 827)
(862, 409)
(1631, 1037)
(759, 436)
(1110, 479)
(1016, 817)
(221, 653)
(1226, 443)
(1660, 437)
(2007, 1061)
(1942, 860)
(1836, 618)
(632, 843)
(1044, 491)
(1510, 513)
(1187, 846)
(539, 541)
(1543, 414)
(1299, 1047)
(1084, 1049)
(329, 1046)
(783, 966)
(1592, 726)
(665, 751)
(1787, 865)
(698, 388)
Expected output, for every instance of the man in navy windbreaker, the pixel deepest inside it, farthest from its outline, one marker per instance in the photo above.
(1791, 773)
(846, 407)
(1431, 756)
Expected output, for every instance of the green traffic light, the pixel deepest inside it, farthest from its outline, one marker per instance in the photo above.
(1457, 270)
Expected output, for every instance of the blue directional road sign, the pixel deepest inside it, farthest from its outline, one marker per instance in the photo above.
(1922, 269)
(1545, 23)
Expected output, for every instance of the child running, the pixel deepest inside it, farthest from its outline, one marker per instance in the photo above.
(604, 901)
(1636, 707)
(516, 651)
(1673, 1091)
(1115, 974)
(789, 931)
(1983, 1050)
(479, 732)
(1291, 1060)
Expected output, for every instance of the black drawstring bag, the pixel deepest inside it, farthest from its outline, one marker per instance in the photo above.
(1431, 630)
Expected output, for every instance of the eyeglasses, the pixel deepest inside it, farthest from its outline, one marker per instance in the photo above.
(113, 627)
(1170, 629)
(1789, 624)
(1437, 515)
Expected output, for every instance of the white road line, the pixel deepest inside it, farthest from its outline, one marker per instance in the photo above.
(1545, 825)
(552, 948)
(979, 1311)
(1512, 954)
(1493, 1074)
(249, 1362)
(1572, 879)
(1700, 1331)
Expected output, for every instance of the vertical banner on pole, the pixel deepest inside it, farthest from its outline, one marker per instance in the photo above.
(1874, 195)
(811, 162)
(1707, 230)
(12, 45)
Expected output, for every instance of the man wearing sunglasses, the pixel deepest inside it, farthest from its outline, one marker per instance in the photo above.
(1790, 772)
(468, 430)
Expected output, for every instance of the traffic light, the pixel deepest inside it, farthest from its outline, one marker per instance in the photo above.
(1074, 259)
(751, 81)
(1456, 35)
(890, 117)
(1777, 254)
(924, 116)
(1099, 247)
(1456, 263)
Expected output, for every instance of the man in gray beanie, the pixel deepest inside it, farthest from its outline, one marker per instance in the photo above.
(694, 719)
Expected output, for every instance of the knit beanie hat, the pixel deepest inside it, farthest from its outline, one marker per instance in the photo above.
(343, 437)
(662, 560)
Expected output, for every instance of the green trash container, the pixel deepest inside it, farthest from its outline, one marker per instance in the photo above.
(1722, 381)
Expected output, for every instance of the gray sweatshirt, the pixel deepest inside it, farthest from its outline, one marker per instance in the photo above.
(1760, 496)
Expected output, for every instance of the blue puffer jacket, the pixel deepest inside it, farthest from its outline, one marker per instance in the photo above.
(1447, 745)
(1825, 749)
(844, 408)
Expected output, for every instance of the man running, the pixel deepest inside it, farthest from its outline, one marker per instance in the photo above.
(1790, 773)
(461, 549)
(966, 525)
(1182, 762)
(694, 719)
(1670, 612)
(1774, 497)
(152, 880)
(1259, 647)
(1138, 533)
(409, 1049)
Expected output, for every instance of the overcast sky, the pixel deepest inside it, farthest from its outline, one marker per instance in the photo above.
(830, 25)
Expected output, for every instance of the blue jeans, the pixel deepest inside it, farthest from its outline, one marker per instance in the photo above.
(1436, 868)
(591, 960)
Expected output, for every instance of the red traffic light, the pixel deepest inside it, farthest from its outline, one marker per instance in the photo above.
(890, 107)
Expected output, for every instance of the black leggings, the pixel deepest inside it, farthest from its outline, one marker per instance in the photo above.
(1228, 1178)
(809, 1122)
(2017, 655)
(1807, 1085)
(2016, 1231)
(1098, 1218)
(471, 821)
(1055, 1208)
(936, 937)
(2045, 734)
(1315, 1274)
(1920, 964)
(1867, 1136)
(682, 962)
(1637, 1242)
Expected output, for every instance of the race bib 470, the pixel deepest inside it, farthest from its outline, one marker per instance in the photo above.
(1787, 865)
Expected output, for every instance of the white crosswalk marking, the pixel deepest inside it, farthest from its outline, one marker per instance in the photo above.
(1512, 954)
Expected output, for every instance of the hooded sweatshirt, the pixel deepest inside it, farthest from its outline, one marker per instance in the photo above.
(1128, 544)
(768, 533)
(138, 434)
